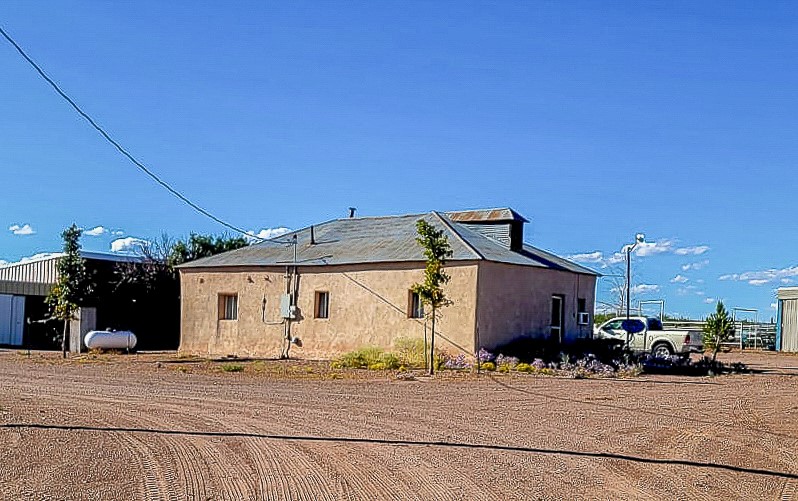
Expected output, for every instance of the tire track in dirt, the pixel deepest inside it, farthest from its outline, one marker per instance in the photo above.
(187, 460)
(299, 474)
(365, 469)
(155, 485)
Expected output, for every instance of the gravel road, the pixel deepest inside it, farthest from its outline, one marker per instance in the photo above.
(131, 428)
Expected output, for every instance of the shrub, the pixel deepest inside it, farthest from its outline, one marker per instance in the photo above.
(389, 360)
(232, 368)
(505, 368)
(410, 351)
(367, 358)
(488, 366)
(522, 367)
(359, 359)
(502, 360)
(456, 363)
(484, 355)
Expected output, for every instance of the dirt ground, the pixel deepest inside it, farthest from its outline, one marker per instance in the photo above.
(157, 427)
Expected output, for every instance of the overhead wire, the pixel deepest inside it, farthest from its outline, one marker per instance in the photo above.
(119, 147)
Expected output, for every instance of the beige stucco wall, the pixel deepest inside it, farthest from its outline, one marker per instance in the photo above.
(516, 301)
(368, 306)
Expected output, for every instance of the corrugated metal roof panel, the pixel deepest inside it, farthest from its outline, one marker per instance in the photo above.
(43, 268)
(379, 240)
(486, 215)
(788, 293)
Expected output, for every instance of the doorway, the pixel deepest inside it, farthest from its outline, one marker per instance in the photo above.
(557, 317)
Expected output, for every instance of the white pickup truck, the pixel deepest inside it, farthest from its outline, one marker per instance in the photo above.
(651, 337)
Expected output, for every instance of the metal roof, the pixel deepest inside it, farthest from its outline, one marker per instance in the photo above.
(43, 268)
(788, 293)
(380, 240)
(486, 215)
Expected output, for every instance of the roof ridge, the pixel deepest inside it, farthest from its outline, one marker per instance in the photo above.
(556, 256)
(459, 236)
(390, 216)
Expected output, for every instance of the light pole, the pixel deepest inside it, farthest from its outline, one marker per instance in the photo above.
(639, 239)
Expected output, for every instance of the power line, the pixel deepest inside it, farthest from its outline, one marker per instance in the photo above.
(118, 146)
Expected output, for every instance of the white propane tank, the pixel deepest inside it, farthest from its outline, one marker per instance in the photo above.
(110, 340)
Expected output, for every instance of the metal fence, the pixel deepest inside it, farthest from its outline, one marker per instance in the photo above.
(747, 335)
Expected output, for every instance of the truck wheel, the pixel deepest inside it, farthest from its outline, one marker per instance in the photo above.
(662, 350)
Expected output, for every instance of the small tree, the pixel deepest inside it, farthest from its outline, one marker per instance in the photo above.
(718, 329)
(72, 285)
(430, 291)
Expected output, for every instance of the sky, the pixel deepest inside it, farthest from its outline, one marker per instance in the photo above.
(595, 120)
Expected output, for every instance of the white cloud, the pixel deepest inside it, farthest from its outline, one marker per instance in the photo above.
(691, 251)
(644, 249)
(709, 300)
(783, 275)
(695, 266)
(645, 289)
(117, 233)
(588, 257)
(774, 306)
(25, 229)
(129, 244)
(3, 262)
(679, 279)
(96, 231)
(266, 233)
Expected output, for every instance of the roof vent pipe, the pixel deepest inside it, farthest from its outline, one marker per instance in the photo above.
(312, 236)
(352, 211)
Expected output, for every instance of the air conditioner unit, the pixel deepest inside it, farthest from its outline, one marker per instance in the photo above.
(583, 318)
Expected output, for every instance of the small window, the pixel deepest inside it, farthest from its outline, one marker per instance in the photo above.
(580, 305)
(228, 306)
(415, 307)
(322, 304)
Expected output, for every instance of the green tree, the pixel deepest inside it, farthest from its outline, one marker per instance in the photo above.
(430, 291)
(718, 329)
(73, 284)
(199, 246)
(154, 282)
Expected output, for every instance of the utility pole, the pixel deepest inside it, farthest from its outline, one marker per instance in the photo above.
(639, 238)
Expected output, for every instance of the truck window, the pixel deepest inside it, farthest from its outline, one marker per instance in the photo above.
(654, 324)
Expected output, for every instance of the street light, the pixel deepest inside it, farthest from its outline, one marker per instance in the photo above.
(639, 239)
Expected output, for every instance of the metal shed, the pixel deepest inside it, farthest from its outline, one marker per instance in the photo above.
(24, 285)
(787, 326)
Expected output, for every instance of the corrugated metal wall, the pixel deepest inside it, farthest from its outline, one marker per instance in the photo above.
(498, 232)
(789, 325)
(43, 271)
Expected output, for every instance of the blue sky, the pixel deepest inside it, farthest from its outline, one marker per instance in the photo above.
(596, 120)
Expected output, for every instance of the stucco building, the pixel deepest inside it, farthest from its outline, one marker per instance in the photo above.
(346, 283)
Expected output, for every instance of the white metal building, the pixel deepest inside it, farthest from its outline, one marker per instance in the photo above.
(24, 285)
(787, 326)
